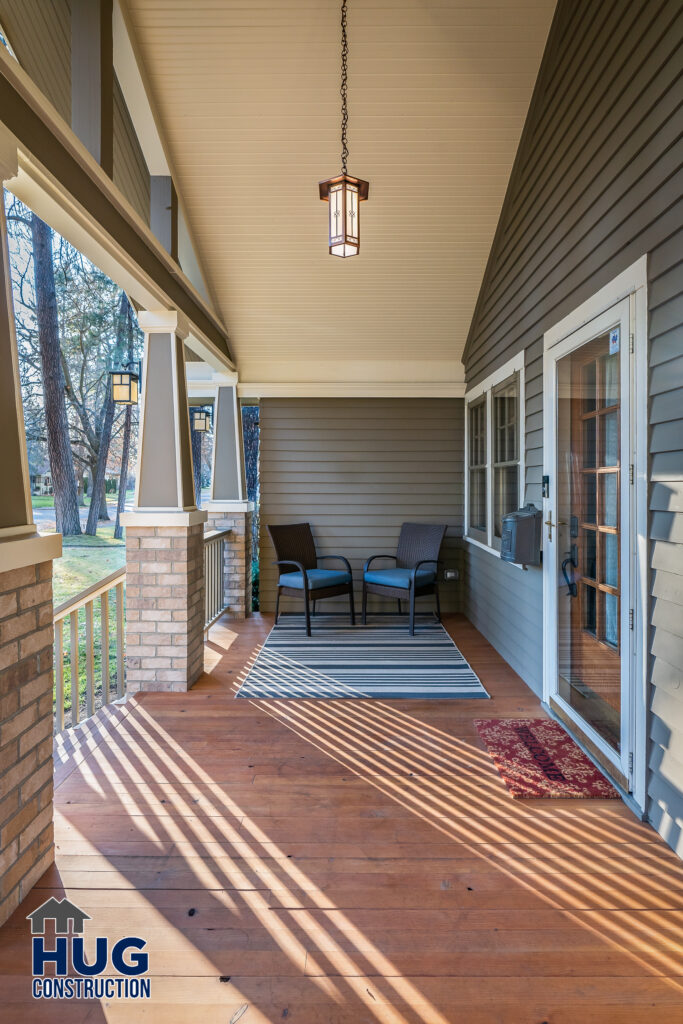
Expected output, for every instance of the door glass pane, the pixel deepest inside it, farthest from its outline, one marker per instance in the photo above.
(610, 438)
(588, 376)
(611, 619)
(587, 548)
(608, 499)
(589, 453)
(590, 553)
(609, 391)
(610, 554)
(590, 485)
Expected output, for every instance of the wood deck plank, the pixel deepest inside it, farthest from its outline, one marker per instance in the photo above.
(349, 861)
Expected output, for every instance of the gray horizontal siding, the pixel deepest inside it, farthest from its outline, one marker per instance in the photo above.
(665, 297)
(356, 469)
(130, 169)
(505, 603)
(596, 184)
(39, 32)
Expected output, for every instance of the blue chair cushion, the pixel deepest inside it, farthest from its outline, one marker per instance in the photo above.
(317, 578)
(399, 577)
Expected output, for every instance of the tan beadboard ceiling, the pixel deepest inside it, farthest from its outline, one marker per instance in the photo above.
(248, 96)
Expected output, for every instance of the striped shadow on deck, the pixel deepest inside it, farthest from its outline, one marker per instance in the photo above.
(377, 660)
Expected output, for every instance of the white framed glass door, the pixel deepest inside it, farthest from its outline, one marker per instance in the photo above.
(588, 564)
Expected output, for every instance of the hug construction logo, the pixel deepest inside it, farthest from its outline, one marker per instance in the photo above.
(114, 974)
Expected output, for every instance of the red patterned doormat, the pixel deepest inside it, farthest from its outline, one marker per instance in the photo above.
(537, 758)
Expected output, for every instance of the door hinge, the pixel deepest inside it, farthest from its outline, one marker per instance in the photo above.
(630, 763)
(630, 618)
(633, 343)
(630, 474)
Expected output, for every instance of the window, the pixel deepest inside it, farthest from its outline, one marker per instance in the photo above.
(505, 400)
(494, 472)
(477, 467)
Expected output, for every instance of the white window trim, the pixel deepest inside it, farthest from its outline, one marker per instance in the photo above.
(486, 387)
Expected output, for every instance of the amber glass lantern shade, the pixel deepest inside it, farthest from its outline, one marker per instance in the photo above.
(201, 419)
(344, 195)
(124, 387)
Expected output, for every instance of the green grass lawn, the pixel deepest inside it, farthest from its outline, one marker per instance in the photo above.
(85, 560)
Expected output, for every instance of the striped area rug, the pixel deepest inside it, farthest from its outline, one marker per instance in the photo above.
(377, 660)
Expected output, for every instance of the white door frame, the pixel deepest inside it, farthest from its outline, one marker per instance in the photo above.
(623, 300)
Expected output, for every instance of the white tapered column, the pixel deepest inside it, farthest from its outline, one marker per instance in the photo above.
(228, 508)
(165, 531)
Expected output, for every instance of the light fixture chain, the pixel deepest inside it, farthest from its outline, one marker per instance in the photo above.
(344, 88)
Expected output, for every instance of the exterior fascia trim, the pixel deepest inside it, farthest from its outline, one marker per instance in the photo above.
(325, 389)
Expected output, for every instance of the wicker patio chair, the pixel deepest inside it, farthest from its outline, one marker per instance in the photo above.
(295, 547)
(415, 572)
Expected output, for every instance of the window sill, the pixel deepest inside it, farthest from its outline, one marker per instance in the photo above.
(491, 551)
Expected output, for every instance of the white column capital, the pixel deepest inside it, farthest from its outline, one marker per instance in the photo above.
(158, 321)
(21, 550)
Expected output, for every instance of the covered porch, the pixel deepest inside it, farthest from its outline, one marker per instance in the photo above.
(348, 860)
(508, 341)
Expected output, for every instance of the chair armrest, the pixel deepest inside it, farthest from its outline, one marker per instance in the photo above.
(288, 561)
(324, 558)
(372, 559)
(424, 561)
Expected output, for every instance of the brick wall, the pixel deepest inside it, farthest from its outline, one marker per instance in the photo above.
(26, 724)
(164, 607)
(237, 559)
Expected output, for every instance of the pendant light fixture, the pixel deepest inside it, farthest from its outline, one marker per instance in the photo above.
(344, 193)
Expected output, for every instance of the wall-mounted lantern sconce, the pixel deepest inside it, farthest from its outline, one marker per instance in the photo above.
(200, 418)
(125, 384)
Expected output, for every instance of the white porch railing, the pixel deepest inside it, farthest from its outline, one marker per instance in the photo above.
(214, 576)
(104, 622)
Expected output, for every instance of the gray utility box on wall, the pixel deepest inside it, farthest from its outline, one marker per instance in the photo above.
(521, 536)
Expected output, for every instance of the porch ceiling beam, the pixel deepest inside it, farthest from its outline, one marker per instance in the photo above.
(65, 186)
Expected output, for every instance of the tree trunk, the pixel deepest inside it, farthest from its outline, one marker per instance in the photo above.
(56, 422)
(98, 501)
(123, 479)
(81, 489)
(104, 516)
(197, 465)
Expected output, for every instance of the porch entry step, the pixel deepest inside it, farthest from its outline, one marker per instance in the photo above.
(377, 660)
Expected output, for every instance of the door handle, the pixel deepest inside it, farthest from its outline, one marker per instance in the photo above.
(571, 586)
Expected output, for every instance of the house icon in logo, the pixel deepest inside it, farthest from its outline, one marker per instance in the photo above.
(61, 912)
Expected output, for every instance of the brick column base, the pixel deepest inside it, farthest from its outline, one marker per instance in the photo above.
(237, 561)
(164, 607)
(26, 724)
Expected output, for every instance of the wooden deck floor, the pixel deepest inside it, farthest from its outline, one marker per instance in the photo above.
(350, 861)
